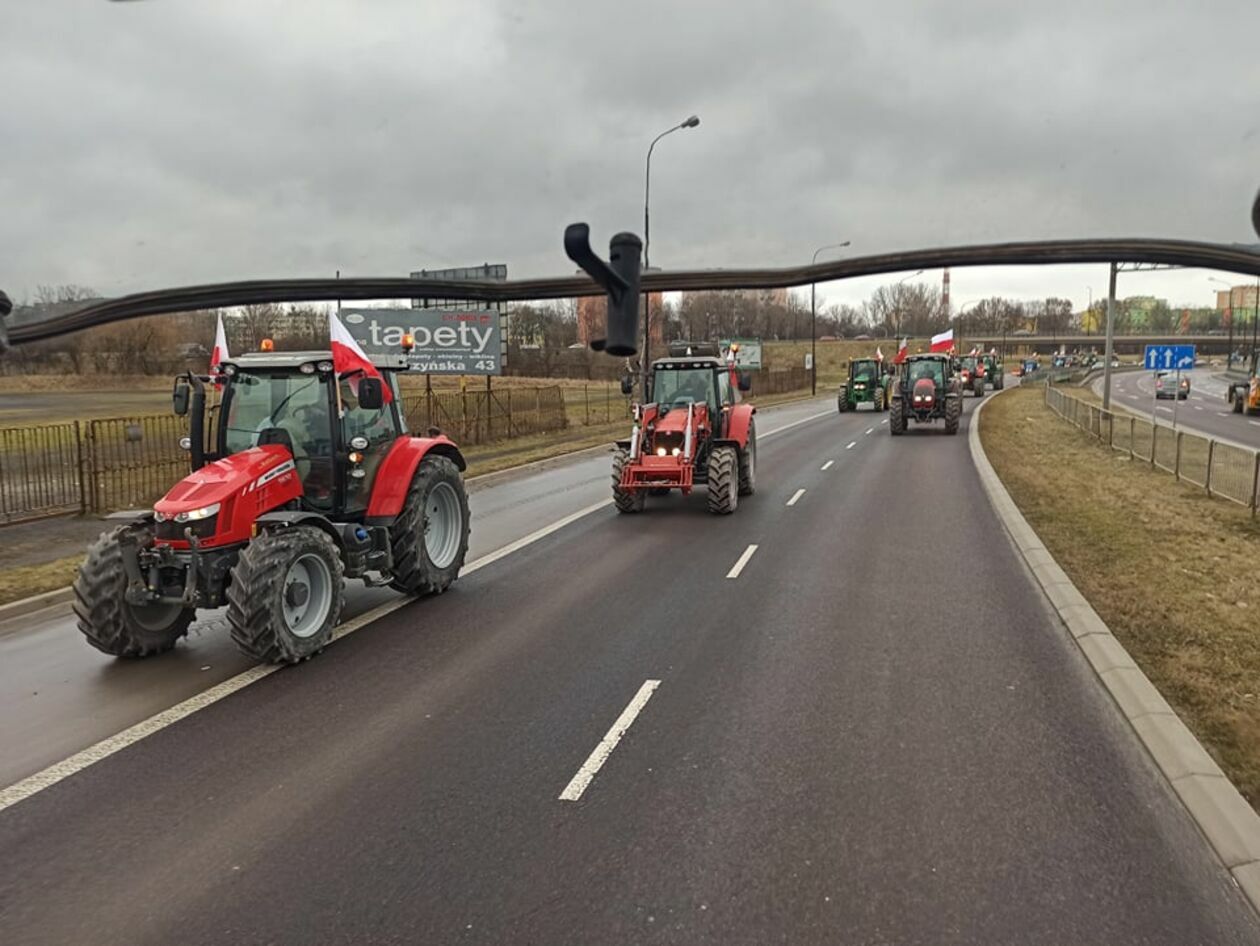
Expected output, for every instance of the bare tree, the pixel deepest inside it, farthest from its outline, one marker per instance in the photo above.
(256, 322)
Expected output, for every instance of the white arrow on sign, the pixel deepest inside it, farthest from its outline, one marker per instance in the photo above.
(1167, 357)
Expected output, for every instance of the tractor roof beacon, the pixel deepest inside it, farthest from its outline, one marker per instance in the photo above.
(926, 389)
(306, 479)
(696, 431)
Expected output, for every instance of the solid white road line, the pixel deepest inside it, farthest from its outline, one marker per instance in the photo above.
(743, 560)
(795, 496)
(573, 791)
(827, 465)
(851, 445)
(58, 771)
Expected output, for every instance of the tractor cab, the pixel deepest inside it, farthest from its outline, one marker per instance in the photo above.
(990, 368)
(288, 399)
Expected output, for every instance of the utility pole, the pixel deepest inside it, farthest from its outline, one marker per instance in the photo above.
(813, 319)
(1110, 346)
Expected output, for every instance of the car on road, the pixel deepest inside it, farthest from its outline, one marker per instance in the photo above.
(1168, 387)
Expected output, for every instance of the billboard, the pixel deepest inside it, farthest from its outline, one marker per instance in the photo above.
(446, 341)
(749, 354)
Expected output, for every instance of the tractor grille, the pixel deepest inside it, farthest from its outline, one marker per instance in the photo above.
(170, 530)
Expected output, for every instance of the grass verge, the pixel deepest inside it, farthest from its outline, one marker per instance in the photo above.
(1167, 568)
(25, 581)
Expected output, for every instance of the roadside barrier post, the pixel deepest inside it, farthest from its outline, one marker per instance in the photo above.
(1255, 481)
(1177, 459)
(1131, 420)
(1207, 480)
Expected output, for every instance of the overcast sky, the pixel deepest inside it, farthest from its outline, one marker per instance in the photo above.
(165, 142)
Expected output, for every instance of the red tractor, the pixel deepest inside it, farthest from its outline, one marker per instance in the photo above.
(312, 479)
(696, 432)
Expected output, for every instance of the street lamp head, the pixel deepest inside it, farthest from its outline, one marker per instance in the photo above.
(691, 122)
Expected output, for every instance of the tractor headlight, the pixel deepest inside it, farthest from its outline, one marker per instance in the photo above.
(676, 451)
(918, 398)
(859, 386)
(205, 512)
(660, 451)
(159, 516)
(185, 443)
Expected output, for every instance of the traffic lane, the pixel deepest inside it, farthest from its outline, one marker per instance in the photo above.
(900, 745)
(800, 773)
(421, 738)
(58, 695)
(1206, 410)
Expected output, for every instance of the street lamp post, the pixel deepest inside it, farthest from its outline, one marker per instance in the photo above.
(690, 122)
(1089, 309)
(813, 319)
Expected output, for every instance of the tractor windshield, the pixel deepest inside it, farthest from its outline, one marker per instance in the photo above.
(927, 369)
(680, 387)
(289, 408)
(865, 371)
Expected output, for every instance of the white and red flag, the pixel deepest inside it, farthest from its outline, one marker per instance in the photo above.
(903, 350)
(879, 353)
(348, 357)
(944, 341)
(219, 353)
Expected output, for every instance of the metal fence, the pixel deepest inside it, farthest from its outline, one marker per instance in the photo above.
(40, 471)
(476, 417)
(121, 462)
(1224, 470)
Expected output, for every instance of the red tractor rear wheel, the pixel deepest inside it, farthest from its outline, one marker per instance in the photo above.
(429, 539)
(748, 462)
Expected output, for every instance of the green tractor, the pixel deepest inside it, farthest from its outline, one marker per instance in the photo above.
(865, 385)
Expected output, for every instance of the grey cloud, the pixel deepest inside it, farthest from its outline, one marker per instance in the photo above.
(162, 143)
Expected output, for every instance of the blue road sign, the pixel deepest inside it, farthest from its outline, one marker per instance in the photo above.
(1169, 357)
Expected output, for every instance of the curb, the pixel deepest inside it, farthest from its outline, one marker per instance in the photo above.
(1228, 823)
(25, 606)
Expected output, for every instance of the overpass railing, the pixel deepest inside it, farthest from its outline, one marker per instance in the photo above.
(1224, 470)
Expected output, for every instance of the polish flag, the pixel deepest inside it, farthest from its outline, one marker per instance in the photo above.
(902, 351)
(348, 357)
(943, 341)
(219, 353)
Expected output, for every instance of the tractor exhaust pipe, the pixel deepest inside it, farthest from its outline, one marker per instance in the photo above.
(687, 439)
(197, 423)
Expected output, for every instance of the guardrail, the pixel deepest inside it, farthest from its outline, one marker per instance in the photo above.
(1224, 470)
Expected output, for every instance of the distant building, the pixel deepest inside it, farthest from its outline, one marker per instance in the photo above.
(1240, 300)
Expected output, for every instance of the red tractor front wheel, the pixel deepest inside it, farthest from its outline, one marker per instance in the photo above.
(626, 500)
(109, 622)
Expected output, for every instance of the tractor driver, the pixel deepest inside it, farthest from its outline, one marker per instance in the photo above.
(694, 388)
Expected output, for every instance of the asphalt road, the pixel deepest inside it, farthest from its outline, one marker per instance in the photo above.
(867, 730)
(1205, 410)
